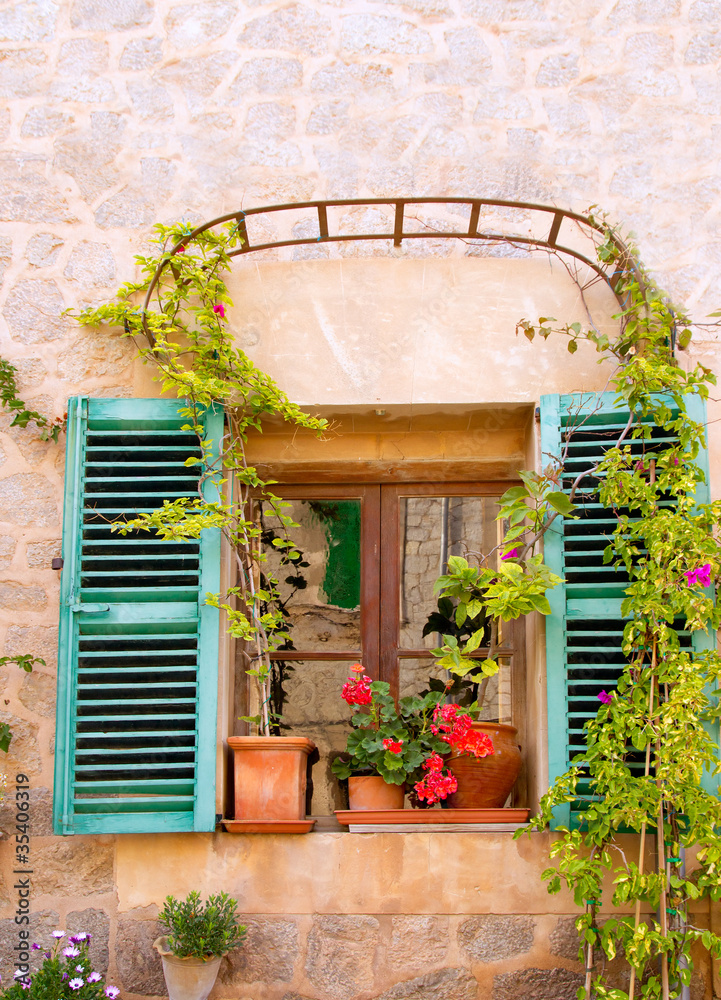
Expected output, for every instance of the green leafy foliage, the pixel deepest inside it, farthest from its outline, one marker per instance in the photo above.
(199, 930)
(177, 312)
(22, 416)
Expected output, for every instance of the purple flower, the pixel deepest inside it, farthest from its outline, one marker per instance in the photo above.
(75, 984)
(219, 309)
(701, 575)
(19, 974)
(640, 466)
(58, 934)
(35, 947)
(94, 977)
(71, 952)
(80, 936)
(79, 968)
(111, 991)
(512, 553)
(605, 697)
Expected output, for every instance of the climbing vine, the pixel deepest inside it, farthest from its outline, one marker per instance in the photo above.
(176, 313)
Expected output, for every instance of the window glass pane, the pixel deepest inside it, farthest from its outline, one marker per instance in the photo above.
(313, 707)
(432, 529)
(494, 694)
(320, 586)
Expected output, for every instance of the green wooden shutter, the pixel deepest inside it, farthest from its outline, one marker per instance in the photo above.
(584, 630)
(138, 651)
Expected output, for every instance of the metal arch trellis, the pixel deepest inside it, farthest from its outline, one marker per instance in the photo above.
(611, 275)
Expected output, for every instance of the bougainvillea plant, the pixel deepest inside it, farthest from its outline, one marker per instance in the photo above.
(407, 743)
(66, 973)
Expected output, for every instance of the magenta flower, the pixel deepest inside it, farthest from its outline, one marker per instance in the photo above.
(512, 553)
(112, 992)
(94, 977)
(58, 934)
(80, 936)
(75, 984)
(605, 697)
(35, 947)
(71, 952)
(701, 575)
(219, 309)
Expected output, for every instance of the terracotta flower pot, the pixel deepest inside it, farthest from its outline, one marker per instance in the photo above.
(370, 791)
(486, 782)
(187, 978)
(270, 783)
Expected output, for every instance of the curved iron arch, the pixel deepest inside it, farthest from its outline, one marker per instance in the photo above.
(610, 274)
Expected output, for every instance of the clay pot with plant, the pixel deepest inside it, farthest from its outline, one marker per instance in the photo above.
(392, 748)
(199, 936)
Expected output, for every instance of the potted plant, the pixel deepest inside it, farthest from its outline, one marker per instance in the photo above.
(66, 972)
(393, 747)
(198, 937)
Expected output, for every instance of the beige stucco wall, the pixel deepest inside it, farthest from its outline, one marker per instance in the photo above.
(118, 114)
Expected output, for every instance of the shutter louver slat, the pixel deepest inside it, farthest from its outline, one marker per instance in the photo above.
(585, 630)
(136, 743)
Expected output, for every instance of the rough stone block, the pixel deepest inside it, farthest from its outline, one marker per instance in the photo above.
(470, 61)
(75, 865)
(705, 10)
(96, 923)
(110, 15)
(493, 11)
(704, 49)
(267, 955)
(7, 550)
(32, 311)
(41, 554)
(564, 940)
(295, 28)
(150, 100)
(198, 77)
(557, 70)
(91, 264)
(41, 926)
(27, 498)
(84, 90)
(87, 55)
(25, 195)
(16, 597)
(20, 70)
(492, 938)
(43, 249)
(190, 25)
(87, 155)
(501, 102)
(141, 53)
(341, 952)
(328, 118)
(370, 34)
(139, 965)
(40, 640)
(537, 984)
(94, 356)
(38, 693)
(23, 757)
(367, 79)
(128, 208)
(446, 984)
(33, 21)
(40, 809)
(418, 941)
(265, 75)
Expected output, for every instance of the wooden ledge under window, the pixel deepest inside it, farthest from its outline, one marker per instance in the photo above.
(432, 820)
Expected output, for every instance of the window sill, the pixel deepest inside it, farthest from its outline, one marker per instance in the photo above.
(433, 820)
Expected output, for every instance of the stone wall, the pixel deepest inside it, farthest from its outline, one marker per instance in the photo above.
(119, 113)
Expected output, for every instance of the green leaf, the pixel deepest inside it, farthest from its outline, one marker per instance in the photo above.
(560, 502)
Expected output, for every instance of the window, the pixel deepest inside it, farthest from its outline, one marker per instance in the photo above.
(584, 632)
(363, 591)
(138, 658)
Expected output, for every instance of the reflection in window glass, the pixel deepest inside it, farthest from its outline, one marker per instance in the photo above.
(320, 588)
(431, 530)
(493, 693)
(314, 708)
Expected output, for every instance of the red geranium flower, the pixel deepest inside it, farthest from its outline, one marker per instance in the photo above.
(395, 746)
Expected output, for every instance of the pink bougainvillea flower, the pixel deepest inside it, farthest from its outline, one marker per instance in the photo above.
(512, 553)
(395, 746)
(219, 309)
(605, 697)
(701, 575)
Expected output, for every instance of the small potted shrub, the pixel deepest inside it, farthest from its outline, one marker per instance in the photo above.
(199, 935)
(391, 747)
(66, 972)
